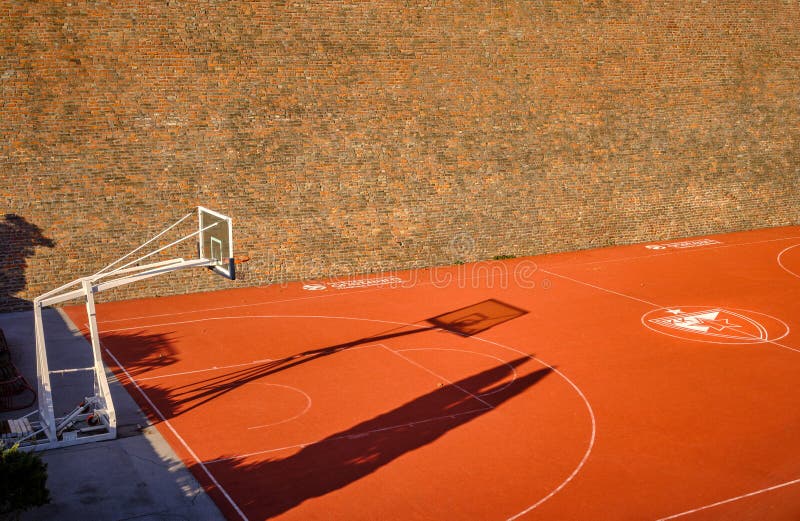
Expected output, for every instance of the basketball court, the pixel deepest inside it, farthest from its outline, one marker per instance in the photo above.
(654, 381)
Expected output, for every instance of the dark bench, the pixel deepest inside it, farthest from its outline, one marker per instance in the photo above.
(15, 391)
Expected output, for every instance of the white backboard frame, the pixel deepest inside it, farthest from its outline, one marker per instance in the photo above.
(214, 237)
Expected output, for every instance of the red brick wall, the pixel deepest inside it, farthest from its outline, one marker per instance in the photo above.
(350, 137)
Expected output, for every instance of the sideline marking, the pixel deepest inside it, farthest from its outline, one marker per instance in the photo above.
(664, 253)
(602, 289)
(319, 295)
(179, 438)
(731, 500)
(564, 377)
(457, 279)
(783, 345)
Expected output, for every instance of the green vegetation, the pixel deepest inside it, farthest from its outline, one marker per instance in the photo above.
(23, 477)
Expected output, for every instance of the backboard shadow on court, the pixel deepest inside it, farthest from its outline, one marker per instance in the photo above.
(466, 321)
(477, 318)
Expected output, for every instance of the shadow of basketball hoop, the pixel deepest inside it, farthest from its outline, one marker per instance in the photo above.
(466, 321)
(477, 318)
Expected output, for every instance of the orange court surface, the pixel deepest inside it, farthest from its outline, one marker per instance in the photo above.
(653, 381)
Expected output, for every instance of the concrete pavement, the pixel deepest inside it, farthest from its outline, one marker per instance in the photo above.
(136, 476)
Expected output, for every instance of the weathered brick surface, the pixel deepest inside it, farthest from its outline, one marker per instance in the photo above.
(348, 137)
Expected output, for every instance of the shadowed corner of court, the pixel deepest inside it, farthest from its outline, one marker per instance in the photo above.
(466, 321)
(18, 241)
(143, 352)
(345, 457)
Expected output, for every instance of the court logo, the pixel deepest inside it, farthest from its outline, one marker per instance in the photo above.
(367, 283)
(314, 287)
(682, 245)
(716, 325)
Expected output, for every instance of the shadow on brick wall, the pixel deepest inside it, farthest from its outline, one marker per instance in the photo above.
(18, 241)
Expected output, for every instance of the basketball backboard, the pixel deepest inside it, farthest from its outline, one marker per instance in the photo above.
(216, 241)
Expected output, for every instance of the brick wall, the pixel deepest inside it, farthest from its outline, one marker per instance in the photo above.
(346, 137)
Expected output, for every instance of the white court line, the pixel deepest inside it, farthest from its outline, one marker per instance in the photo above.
(592, 437)
(731, 500)
(214, 368)
(574, 386)
(562, 375)
(499, 390)
(458, 279)
(440, 377)
(413, 284)
(222, 367)
(767, 341)
(662, 307)
(346, 436)
(662, 253)
(782, 345)
(601, 288)
(180, 439)
(287, 420)
(239, 306)
(780, 263)
(232, 317)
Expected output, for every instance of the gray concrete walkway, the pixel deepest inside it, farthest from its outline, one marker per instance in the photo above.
(137, 476)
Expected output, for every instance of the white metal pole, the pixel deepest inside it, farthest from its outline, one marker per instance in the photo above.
(170, 245)
(145, 244)
(44, 391)
(100, 381)
(150, 272)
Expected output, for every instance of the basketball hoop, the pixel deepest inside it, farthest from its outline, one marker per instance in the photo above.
(95, 418)
(239, 261)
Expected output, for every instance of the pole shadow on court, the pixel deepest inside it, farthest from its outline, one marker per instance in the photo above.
(150, 351)
(350, 455)
(347, 456)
